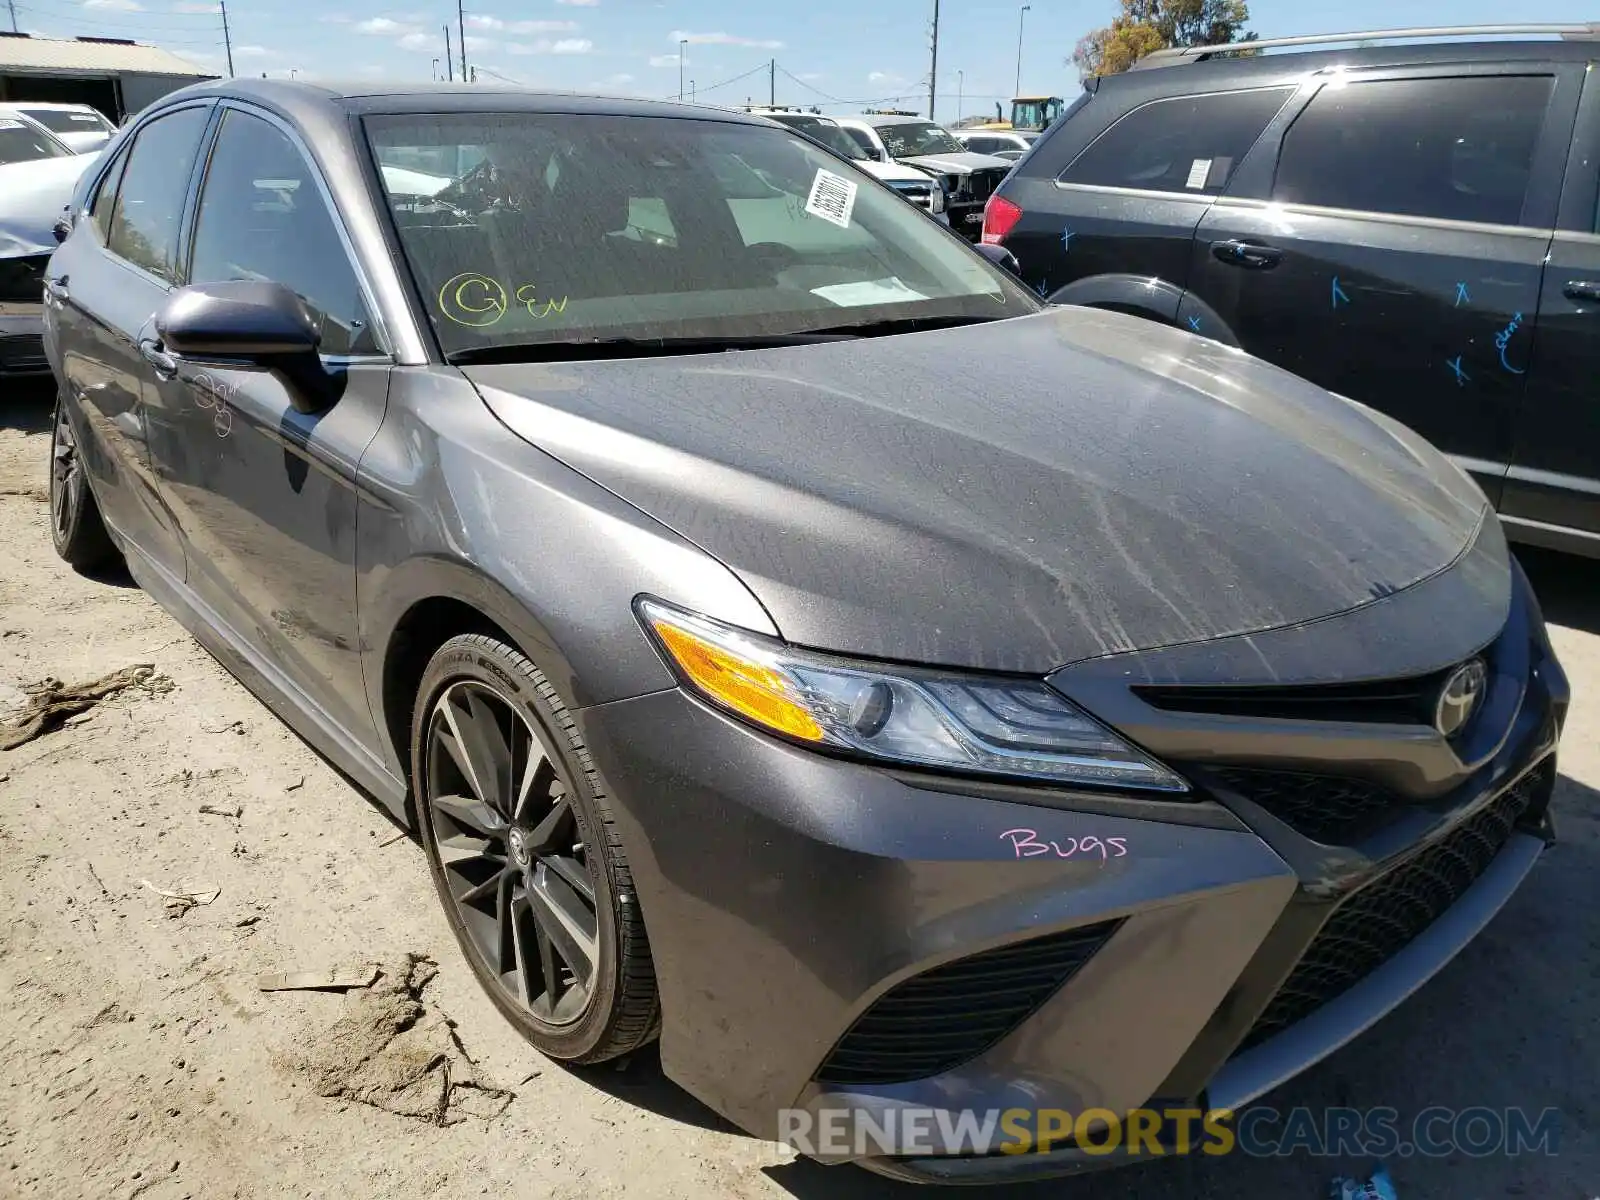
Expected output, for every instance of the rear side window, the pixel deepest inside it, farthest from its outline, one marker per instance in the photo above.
(1456, 149)
(149, 206)
(1189, 144)
(106, 197)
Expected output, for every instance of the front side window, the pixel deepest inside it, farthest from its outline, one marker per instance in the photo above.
(21, 142)
(263, 217)
(1188, 144)
(578, 229)
(863, 139)
(1456, 149)
(906, 139)
(149, 205)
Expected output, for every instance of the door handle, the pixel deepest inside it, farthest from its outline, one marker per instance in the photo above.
(56, 289)
(1246, 254)
(165, 365)
(1582, 289)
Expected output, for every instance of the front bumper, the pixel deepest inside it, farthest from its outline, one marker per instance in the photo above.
(22, 339)
(824, 930)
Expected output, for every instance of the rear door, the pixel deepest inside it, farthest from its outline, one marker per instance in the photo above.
(1126, 207)
(105, 286)
(1552, 492)
(1392, 249)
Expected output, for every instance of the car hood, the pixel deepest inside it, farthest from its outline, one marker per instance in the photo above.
(892, 172)
(957, 164)
(1016, 495)
(32, 196)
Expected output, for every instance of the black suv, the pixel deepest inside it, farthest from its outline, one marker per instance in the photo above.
(1412, 225)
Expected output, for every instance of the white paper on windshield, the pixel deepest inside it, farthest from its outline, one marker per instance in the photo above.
(833, 198)
(10, 124)
(1198, 170)
(871, 291)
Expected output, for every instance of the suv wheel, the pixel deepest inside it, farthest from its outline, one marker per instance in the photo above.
(525, 856)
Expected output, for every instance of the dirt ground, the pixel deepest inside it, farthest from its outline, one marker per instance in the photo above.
(138, 1057)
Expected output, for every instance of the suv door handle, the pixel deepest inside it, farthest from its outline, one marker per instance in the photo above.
(1246, 254)
(1581, 289)
(166, 366)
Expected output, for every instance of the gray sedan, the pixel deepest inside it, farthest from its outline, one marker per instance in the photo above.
(786, 635)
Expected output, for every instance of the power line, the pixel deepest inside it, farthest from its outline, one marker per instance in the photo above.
(725, 82)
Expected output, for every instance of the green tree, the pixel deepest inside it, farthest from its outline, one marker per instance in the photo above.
(1144, 26)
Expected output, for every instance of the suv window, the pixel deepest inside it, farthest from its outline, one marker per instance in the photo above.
(20, 142)
(105, 199)
(149, 205)
(864, 140)
(1458, 149)
(983, 145)
(1186, 144)
(262, 216)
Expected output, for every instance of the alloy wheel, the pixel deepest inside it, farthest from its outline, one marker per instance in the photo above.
(500, 808)
(66, 476)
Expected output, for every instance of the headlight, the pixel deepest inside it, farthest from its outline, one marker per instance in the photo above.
(993, 725)
(936, 197)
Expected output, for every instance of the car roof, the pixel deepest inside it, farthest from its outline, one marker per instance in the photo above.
(366, 97)
(880, 119)
(1271, 68)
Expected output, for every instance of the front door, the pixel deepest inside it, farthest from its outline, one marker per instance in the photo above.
(1396, 254)
(105, 285)
(264, 493)
(1552, 492)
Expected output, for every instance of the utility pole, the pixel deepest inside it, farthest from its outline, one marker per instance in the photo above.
(12, 5)
(1021, 17)
(933, 68)
(772, 83)
(461, 28)
(683, 51)
(449, 59)
(227, 38)
(961, 87)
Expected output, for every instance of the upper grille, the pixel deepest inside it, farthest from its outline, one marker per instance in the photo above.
(1376, 922)
(1407, 701)
(951, 1014)
(981, 184)
(1330, 809)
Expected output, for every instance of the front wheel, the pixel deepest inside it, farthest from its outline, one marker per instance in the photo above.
(525, 856)
(76, 529)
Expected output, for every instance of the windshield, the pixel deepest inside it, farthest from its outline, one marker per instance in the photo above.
(21, 142)
(67, 120)
(575, 228)
(828, 133)
(906, 139)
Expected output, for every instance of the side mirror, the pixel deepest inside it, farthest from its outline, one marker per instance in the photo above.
(62, 230)
(245, 323)
(1000, 257)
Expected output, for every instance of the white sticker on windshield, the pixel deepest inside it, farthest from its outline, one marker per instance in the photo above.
(833, 198)
(1198, 170)
(10, 124)
(868, 291)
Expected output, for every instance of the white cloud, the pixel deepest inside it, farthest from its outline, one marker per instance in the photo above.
(114, 5)
(723, 39)
(252, 52)
(579, 3)
(420, 41)
(197, 8)
(385, 26)
(495, 24)
(546, 46)
(885, 77)
(663, 60)
(810, 76)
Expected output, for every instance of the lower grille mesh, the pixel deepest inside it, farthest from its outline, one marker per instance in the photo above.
(951, 1014)
(1383, 917)
(1329, 809)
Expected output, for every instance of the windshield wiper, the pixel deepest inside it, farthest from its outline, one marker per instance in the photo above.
(903, 325)
(528, 352)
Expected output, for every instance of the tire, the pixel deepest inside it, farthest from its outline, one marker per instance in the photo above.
(76, 529)
(506, 856)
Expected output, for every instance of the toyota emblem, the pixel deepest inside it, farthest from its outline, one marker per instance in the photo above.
(1459, 697)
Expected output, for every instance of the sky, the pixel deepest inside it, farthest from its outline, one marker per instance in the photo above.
(836, 54)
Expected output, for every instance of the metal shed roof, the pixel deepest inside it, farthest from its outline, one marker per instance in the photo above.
(96, 56)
